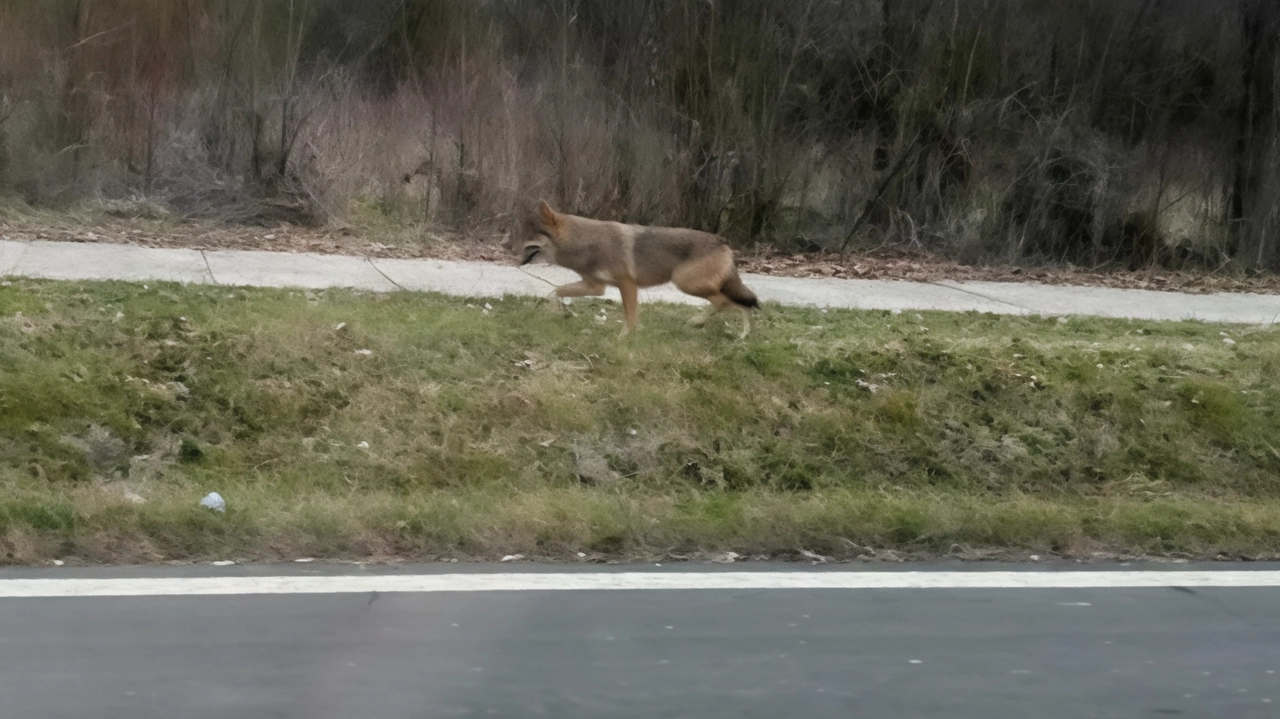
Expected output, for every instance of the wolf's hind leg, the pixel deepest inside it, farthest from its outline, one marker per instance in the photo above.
(720, 303)
(701, 318)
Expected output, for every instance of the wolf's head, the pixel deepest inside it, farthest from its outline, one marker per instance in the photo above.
(536, 238)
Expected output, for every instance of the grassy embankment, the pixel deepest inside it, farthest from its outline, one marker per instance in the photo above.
(427, 427)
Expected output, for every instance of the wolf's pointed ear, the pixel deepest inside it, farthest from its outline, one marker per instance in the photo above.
(547, 215)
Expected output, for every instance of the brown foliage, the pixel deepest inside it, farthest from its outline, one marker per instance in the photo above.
(1090, 131)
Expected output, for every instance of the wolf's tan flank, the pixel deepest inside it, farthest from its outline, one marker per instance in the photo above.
(633, 256)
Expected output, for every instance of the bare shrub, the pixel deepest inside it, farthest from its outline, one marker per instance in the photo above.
(1022, 129)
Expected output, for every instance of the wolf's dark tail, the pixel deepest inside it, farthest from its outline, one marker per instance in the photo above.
(738, 292)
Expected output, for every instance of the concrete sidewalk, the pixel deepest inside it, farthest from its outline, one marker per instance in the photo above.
(91, 261)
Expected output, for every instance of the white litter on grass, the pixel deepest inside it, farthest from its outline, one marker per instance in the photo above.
(304, 560)
(214, 501)
(58, 562)
(222, 563)
(341, 326)
(581, 555)
(363, 445)
(1228, 341)
(488, 306)
(364, 353)
(513, 557)
(631, 432)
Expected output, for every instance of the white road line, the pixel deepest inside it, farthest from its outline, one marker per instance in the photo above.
(426, 583)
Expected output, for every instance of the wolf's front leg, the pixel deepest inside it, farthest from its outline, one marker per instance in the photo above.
(583, 288)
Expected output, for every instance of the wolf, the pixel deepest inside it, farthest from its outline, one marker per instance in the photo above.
(633, 256)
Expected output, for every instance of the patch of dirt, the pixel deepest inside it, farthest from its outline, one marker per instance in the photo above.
(879, 265)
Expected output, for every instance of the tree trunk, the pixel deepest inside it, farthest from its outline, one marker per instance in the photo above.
(1254, 210)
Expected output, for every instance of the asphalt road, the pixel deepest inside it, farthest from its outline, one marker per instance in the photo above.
(955, 653)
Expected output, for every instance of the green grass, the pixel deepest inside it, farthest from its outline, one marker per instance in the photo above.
(520, 431)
